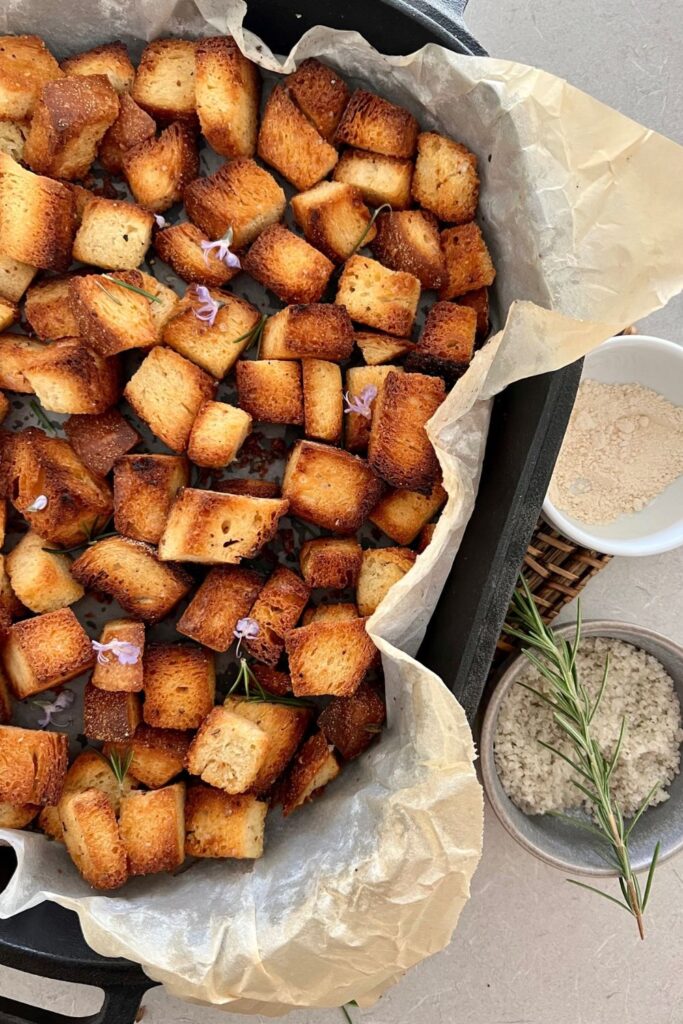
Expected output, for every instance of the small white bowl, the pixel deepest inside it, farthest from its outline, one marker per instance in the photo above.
(655, 364)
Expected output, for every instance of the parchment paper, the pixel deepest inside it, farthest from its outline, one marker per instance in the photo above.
(579, 209)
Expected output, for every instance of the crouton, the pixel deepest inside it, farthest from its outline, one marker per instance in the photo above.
(112, 316)
(341, 612)
(166, 391)
(145, 487)
(180, 685)
(360, 382)
(4, 410)
(228, 89)
(5, 699)
(70, 377)
(15, 277)
(381, 568)
(284, 727)
(120, 675)
(468, 263)
(445, 180)
(26, 65)
(253, 486)
(351, 723)
(37, 219)
(314, 766)
(446, 344)
(316, 330)
(478, 301)
(10, 605)
(289, 266)
(371, 122)
(17, 817)
(214, 528)
(323, 402)
(44, 652)
(3, 516)
(215, 347)
(158, 169)
(291, 144)
(409, 240)
(152, 827)
(270, 390)
(425, 537)
(240, 195)
(164, 83)
(41, 580)
(113, 234)
(100, 440)
(401, 514)
(329, 657)
(131, 572)
(181, 247)
(132, 126)
(334, 218)
(48, 309)
(16, 354)
(9, 313)
(220, 825)
(92, 838)
(378, 349)
(329, 487)
(225, 596)
(331, 562)
(217, 434)
(399, 450)
(228, 751)
(276, 610)
(111, 60)
(381, 298)
(272, 679)
(13, 138)
(32, 765)
(110, 715)
(158, 755)
(320, 93)
(167, 300)
(379, 179)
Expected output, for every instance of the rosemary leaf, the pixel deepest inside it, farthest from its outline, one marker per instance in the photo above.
(108, 293)
(591, 888)
(131, 288)
(42, 418)
(369, 226)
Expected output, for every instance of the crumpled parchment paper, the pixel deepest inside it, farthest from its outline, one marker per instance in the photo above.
(579, 207)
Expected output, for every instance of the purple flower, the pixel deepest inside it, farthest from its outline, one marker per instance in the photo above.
(246, 629)
(161, 221)
(207, 310)
(38, 504)
(360, 404)
(124, 652)
(223, 253)
(61, 702)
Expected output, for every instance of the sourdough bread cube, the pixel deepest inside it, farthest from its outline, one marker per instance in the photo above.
(378, 349)
(180, 685)
(217, 434)
(110, 59)
(371, 122)
(225, 596)
(16, 354)
(100, 440)
(131, 572)
(17, 817)
(318, 330)
(167, 391)
(291, 144)
(145, 487)
(276, 610)
(468, 263)
(158, 755)
(15, 277)
(33, 765)
(220, 825)
(329, 487)
(180, 247)
(323, 400)
(409, 240)
(329, 657)
(270, 390)
(37, 220)
(401, 514)
(113, 234)
(400, 450)
(9, 313)
(228, 90)
(381, 298)
(228, 751)
(46, 651)
(289, 266)
(379, 179)
(284, 727)
(446, 343)
(351, 723)
(41, 580)
(334, 218)
(132, 126)
(92, 838)
(48, 309)
(331, 562)
(273, 680)
(90, 770)
(152, 827)
(13, 138)
(215, 347)
(5, 695)
(69, 377)
(445, 179)
(164, 83)
(425, 537)
(253, 486)
(112, 674)
(214, 528)
(381, 568)
(113, 318)
(320, 93)
(110, 715)
(358, 379)
(342, 612)
(239, 195)
(478, 300)
(26, 65)
(314, 766)
(158, 169)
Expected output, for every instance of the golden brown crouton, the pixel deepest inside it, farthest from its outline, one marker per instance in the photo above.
(110, 715)
(468, 263)
(9, 313)
(16, 353)
(158, 755)
(401, 514)
(92, 838)
(254, 486)
(10, 605)
(158, 169)
(270, 390)
(48, 309)
(164, 83)
(316, 330)
(145, 487)
(217, 434)
(291, 144)
(100, 440)
(131, 572)
(284, 726)
(32, 765)
(41, 580)
(378, 349)
(44, 652)
(276, 610)
(166, 391)
(152, 827)
(409, 240)
(445, 179)
(13, 138)
(371, 122)
(5, 698)
(70, 377)
(113, 234)
(320, 93)
(364, 383)
(381, 568)
(272, 680)
(289, 266)
(334, 218)
(351, 723)
(228, 88)
(379, 297)
(446, 344)
(240, 195)
(329, 487)
(120, 675)
(180, 247)
(4, 410)
(425, 537)
(37, 218)
(215, 347)
(180, 685)
(331, 562)
(399, 450)
(340, 612)
(323, 401)
(26, 65)
(220, 825)
(228, 751)
(329, 657)
(90, 770)
(132, 126)
(478, 301)
(214, 528)
(15, 277)
(225, 596)
(17, 817)
(112, 316)
(314, 766)
(379, 179)
(111, 60)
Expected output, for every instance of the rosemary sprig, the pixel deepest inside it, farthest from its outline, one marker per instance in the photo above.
(42, 418)
(253, 334)
(370, 225)
(131, 288)
(254, 692)
(573, 711)
(119, 763)
(108, 293)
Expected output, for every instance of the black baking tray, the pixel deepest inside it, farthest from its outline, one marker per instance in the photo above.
(527, 426)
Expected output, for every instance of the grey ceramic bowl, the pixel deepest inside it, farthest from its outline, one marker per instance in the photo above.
(554, 840)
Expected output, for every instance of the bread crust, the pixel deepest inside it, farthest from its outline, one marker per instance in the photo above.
(400, 450)
(372, 122)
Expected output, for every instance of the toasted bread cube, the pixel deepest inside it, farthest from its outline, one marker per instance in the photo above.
(272, 679)
(378, 349)
(158, 755)
(16, 354)
(70, 377)
(10, 605)
(48, 309)
(145, 487)
(15, 277)
(4, 410)
(180, 685)
(131, 572)
(228, 89)
(329, 487)
(17, 817)
(13, 138)
(446, 343)
(111, 59)
(100, 440)
(351, 723)
(399, 450)
(379, 179)
(110, 673)
(214, 528)
(284, 726)
(32, 765)
(220, 825)
(152, 827)
(381, 568)
(158, 169)
(112, 317)
(291, 144)
(217, 434)
(228, 751)
(381, 298)
(323, 401)
(468, 263)
(316, 330)
(5, 695)
(409, 240)
(240, 195)
(92, 838)
(9, 312)
(342, 612)
(270, 390)
(478, 301)
(401, 514)
(113, 234)
(359, 382)
(334, 218)
(26, 65)
(180, 247)
(3, 516)
(225, 596)
(165, 301)
(132, 127)
(164, 83)
(167, 391)
(110, 715)
(331, 562)
(314, 766)
(425, 537)
(320, 93)
(41, 580)
(276, 610)
(289, 266)
(371, 122)
(329, 657)
(445, 179)
(253, 486)
(215, 347)
(90, 770)
(37, 218)
(44, 652)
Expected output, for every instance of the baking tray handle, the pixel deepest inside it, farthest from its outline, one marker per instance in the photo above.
(120, 1006)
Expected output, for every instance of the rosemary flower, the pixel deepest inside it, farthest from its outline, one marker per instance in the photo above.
(62, 701)
(38, 504)
(223, 253)
(207, 308)
(246, 629)
(124, 652)
(361, 404)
